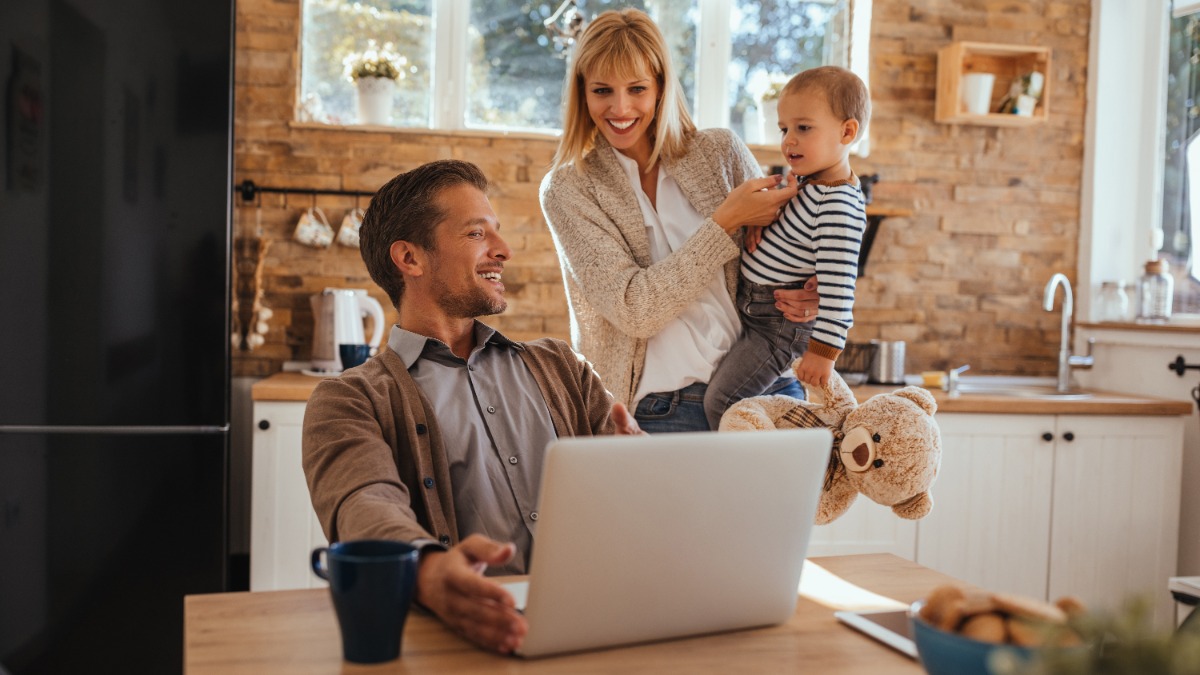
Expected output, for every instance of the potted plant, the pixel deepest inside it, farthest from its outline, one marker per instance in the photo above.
(374, 72)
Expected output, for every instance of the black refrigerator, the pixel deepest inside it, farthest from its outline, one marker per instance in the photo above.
(114, 328)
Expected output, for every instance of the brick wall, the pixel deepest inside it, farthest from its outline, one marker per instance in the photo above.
(996, 210)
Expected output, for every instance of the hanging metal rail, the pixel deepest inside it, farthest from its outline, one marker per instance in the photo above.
(248, 189)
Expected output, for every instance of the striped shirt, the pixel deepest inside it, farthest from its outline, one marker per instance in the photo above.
(819, 232)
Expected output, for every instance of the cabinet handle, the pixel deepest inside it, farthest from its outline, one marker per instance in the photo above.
(264, 425)
(1047, 437)
(1068, 436)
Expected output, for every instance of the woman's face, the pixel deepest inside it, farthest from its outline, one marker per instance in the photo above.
(623, 109)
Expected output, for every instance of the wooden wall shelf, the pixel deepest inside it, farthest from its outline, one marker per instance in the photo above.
(1006, 62)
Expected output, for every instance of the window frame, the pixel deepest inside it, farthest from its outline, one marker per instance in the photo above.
(449, 99)
(1123, 153)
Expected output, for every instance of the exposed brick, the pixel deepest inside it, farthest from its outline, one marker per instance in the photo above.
(995, 210)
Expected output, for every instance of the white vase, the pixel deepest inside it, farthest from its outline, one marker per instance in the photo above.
(768, 116)
(375, 99)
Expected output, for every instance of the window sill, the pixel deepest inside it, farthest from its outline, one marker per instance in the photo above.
(420, 131)
(1182, 325)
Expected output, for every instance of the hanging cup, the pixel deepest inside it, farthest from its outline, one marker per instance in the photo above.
(348, 233)
(313, 229)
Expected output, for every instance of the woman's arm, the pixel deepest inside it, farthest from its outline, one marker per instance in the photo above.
(593, 252)
(639, 301)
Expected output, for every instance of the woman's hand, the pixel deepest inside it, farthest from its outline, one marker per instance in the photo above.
(799, 304)
(755, 203)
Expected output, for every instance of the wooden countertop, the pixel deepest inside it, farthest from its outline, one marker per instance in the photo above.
(284, 387)
(1101, 403)
(297, 632)
(298, 387)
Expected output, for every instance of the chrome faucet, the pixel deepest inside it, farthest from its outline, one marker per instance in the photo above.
(1066, 361)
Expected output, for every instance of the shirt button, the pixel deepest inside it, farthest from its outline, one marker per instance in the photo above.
(471, 368)
(420, 429)
(445, 539)
(512, 460)
(533, 516)
(491, 408)
(428, 482)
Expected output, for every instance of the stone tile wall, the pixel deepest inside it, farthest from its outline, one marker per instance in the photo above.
(995, 210)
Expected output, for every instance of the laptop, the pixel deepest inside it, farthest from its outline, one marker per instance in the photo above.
(644, 538)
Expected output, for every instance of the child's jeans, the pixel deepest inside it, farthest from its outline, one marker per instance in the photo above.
(768, 347)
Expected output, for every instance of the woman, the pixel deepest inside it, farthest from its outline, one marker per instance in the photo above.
(646, 214)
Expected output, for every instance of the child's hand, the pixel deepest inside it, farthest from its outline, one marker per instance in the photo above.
(814, 370)
(752, 238)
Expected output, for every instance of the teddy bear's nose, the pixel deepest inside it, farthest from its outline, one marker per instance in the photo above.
(858, 449)
(862, 454)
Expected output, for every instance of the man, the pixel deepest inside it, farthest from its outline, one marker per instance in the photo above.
(439, 439)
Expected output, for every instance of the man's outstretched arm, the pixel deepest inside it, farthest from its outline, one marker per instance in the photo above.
(451, 585)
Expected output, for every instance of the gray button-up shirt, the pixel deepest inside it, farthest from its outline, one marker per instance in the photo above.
(495, 426)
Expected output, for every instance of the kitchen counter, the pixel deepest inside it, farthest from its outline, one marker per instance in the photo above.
(298, 387)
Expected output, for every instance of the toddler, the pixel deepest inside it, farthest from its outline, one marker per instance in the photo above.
(822, 111)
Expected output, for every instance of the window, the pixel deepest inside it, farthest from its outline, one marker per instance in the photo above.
(1181, 173)
(492, 64)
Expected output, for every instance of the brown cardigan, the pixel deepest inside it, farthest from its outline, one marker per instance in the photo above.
(371, 439)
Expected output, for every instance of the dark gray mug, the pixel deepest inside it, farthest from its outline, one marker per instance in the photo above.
(353, 355)
(372, 583)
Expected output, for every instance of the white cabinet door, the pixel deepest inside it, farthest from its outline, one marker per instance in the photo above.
(283, 526)
(1116, 509)
(990, 523)
(866, 527)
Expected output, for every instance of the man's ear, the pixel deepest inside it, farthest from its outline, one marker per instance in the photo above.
(408, 258)
(849, 131)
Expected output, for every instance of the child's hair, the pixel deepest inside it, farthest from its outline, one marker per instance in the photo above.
(626, 43)
(846, 93)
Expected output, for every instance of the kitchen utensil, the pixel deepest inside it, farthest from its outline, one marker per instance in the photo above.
(338, 315)
(313, 229)
(371, 583)
(348, 234)
(888, 365)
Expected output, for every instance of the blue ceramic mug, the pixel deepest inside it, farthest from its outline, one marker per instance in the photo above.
(372, 583)
(353, 355)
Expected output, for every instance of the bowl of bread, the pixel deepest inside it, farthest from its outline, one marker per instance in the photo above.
(964, 631)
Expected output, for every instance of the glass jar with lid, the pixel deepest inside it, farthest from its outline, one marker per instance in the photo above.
(1155, 293)
(1112, 304)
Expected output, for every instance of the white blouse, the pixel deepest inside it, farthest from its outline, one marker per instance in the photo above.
(687, 349)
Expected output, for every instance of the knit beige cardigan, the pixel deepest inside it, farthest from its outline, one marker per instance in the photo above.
(617, 296)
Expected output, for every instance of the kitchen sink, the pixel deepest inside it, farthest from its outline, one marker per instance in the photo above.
(1018, 386)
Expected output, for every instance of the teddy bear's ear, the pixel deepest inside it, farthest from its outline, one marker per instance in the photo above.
(920, 396)
(914, 507)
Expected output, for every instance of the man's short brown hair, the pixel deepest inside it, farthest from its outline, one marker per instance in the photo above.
(847, 95)
(406, 209)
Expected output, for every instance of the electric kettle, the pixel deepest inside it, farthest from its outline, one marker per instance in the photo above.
(338, 315)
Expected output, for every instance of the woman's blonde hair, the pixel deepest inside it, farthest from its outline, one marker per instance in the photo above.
(625, 43)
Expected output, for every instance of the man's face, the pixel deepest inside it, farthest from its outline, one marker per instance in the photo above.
(468, 255)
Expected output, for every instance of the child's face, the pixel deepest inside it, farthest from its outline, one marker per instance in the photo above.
(814, 142)
(623, 109)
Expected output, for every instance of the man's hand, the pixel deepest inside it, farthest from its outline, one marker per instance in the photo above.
(799, 304)
(814, 370)
(623, 422)
(451, 584)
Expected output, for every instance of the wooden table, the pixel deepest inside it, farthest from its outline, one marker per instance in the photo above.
(296, 632)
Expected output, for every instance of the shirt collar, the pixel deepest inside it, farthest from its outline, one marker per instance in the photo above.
(410, 346)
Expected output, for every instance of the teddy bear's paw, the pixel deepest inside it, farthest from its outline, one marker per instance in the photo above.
(914, 508)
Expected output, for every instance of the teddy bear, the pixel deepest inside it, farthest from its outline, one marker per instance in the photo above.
(888, 448)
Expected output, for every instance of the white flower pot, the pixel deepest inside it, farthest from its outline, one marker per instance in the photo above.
(375, 99)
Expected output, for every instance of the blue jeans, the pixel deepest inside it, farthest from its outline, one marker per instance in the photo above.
(683, 410)
(769, 346)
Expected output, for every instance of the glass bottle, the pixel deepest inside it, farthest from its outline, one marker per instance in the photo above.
(1155, 293)
(1113, 302)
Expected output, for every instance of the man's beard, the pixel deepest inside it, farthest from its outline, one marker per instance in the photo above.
(471, 304)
